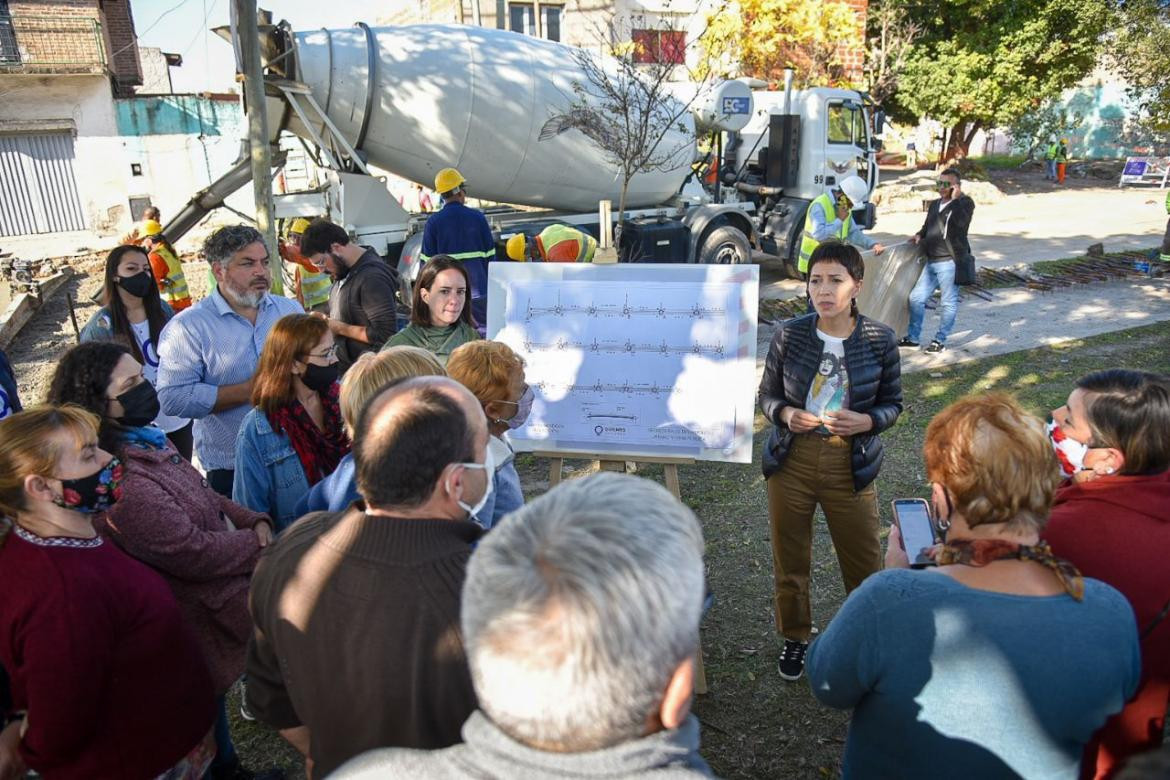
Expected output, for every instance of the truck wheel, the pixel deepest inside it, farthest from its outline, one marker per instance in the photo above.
(725, 245)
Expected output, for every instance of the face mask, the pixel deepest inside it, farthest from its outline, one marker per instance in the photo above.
(1070, 452)
(139, 405)
(523, 408)
(137, 285)
(489, 468)
(319, 378)
(95, 493)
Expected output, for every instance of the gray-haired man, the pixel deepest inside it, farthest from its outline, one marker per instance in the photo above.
(581, 620)
(208, 353)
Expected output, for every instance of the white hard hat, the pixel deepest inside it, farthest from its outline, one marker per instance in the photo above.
(855, 189)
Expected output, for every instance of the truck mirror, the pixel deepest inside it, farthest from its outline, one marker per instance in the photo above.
(879, 123)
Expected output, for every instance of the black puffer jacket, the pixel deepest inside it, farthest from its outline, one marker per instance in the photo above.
(875, 387)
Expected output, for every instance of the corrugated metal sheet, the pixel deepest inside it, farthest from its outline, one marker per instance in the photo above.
(38, 192)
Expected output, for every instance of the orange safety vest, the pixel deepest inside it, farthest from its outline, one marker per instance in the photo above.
(563, 244)
(168, 272)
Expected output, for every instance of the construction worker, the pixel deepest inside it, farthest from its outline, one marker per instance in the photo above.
(1061, 159)
(312, 283)
(1050, 161)
(135, 236)
(463, 233)
(1165, 255)
(168, 271)
(831, 216)
(555, 244)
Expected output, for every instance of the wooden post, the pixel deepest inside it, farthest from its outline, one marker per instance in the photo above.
(556, 466)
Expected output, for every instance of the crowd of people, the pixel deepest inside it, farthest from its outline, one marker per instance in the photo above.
(326, 511)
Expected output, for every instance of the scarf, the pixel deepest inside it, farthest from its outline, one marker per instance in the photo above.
(984, 551)
(147, 437)
(319, 451)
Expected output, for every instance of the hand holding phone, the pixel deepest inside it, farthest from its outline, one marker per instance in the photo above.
(916, 530)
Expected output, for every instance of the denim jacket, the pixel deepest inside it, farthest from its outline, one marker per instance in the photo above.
(269, 476)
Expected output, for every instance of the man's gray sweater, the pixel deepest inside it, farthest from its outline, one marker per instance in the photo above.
(489, 754)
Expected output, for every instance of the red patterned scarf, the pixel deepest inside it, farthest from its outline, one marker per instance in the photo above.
(983, 551)
(319, 451)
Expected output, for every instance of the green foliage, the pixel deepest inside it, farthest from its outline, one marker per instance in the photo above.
(761, 38)
(1141, 52)
(985, 63)
(1035, 129)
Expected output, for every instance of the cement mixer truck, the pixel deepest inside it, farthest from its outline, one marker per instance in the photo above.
(412, 100)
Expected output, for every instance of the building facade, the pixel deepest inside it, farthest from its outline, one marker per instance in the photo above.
(62, 63)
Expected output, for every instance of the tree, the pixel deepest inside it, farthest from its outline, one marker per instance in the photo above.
(761, 38)
(986, 63)
(1035, 129)
(890, 37)
(624, 105)
(1141, 52)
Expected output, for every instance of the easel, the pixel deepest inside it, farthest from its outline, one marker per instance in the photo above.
(607, 462)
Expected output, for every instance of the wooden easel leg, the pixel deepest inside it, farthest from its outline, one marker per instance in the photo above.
(556, 467)
(670, 475)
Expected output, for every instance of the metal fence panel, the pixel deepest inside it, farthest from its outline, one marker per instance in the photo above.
(38, 191)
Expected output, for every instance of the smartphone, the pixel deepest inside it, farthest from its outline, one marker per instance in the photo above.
(913, 518)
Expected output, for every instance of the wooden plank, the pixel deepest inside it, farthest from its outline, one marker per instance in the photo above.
(25, 305)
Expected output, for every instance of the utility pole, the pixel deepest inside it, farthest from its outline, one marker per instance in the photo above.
(248, 32)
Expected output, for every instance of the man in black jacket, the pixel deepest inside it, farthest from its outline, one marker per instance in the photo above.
(943, 239)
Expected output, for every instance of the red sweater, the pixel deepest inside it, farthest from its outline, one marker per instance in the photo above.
(101, 659)
(1117, 529)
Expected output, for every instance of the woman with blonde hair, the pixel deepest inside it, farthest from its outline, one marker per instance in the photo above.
(1002, 660)
(495, 376)
(294, 437)
(369, 374)
(107, 678)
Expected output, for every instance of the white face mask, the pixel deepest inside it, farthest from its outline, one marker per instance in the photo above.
(489, 468)
(1069, 452)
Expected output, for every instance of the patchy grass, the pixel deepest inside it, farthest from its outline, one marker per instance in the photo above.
(1000, 162)
(755, 725)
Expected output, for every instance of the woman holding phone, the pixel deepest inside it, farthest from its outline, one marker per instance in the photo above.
(1001, 661)
(832, 383)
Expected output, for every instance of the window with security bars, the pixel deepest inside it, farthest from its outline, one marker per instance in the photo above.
(522, 19)
(9, 53)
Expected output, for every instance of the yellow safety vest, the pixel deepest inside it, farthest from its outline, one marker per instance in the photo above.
(175, 283)
(314, 286)
(808, 243)
(561, 243)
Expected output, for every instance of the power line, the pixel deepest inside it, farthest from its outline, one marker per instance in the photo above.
(138, 35)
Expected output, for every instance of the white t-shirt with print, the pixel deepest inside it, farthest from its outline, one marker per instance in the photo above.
(149, 351)
(829, 391)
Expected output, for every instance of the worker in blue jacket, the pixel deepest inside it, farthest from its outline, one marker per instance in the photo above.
(463, 233)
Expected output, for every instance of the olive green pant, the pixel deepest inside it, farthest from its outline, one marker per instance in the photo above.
(817, 471)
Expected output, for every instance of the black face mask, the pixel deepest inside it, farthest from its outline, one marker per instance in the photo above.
(319, 378)
(139, 405)
(137, 285)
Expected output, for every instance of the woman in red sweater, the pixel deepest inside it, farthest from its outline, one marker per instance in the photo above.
(203, 545)
(1111, 518)
(106, 674)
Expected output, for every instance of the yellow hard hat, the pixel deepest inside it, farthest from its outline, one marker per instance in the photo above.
(516, 247)
(299, 225)
(150, 227)
(1064, 140)
(447, 180)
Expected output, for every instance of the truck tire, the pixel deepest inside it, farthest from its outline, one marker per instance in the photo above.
(725, 245)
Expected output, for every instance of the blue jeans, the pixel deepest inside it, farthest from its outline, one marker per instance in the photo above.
(936, 275)
(1051, 169)
(225, 755)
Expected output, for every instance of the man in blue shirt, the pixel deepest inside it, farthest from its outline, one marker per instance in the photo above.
(208, 353)
(463, 233)
(9, 402)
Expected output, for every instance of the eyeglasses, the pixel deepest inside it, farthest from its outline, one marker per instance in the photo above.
(945, 185)
(329, 354)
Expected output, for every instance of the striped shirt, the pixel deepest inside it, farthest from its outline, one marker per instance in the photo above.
(207, 347)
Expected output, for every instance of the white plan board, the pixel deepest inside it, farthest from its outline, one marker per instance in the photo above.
(640, 360)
